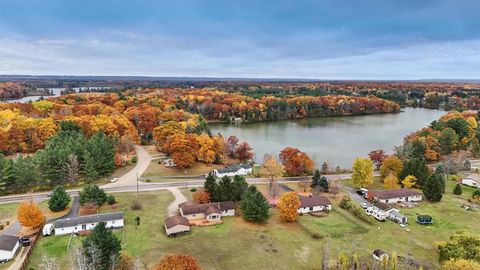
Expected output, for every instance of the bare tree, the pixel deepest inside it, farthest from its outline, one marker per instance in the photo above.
(114, 260)
(48, 263)
(304, 183)
(138, 264)
(87, 258)
(325, 257)
(334, 186)
(72, 169)
(272, 169)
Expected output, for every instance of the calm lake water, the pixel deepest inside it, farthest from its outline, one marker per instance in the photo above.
(336, 140)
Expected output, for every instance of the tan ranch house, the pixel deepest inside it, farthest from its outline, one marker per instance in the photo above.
(208, 211)
(314, 204)
(395, 195)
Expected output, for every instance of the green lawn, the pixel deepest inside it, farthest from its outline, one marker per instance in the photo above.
(237, 244)
(8, 212)
(159, 173)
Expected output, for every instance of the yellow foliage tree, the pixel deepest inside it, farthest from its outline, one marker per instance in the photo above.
(391, 164)
(472, 122)
(288, 205)
(409, 181)
(362, 172)
(29, 215)
(391, 181)
(206, 152)
(460, 264)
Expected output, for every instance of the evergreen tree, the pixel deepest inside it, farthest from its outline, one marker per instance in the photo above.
(324, 186)
(27, 174)
(418, 168)
(457, 190)
(59, 199)
(254, 206)
(7, 173)
(226, 189)
(239, 187)
(89, 168)
(92, 194)
(432, 189)
(106, 244)
(210, 186)
(316, 179)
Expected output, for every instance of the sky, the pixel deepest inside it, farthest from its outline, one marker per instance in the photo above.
(316, 39)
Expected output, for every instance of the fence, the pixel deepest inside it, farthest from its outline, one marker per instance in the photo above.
(30, 250)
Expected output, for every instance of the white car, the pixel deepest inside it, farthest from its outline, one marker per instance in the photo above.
(115, 179)
(364, 205)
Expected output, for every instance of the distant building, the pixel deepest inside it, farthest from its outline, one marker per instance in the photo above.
(9, 245)
(87, 223)
(239, 169)
(208, 211)
(314, 204)
(472, 180)
(395, 195)
(176, 225)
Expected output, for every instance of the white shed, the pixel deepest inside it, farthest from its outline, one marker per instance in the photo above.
(8, 247)
(87, 223)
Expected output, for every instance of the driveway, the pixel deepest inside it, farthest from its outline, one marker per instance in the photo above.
(172, 209)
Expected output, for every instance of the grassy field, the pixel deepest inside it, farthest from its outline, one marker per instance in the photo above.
(8, 212)
(159, 173)
(237, 244)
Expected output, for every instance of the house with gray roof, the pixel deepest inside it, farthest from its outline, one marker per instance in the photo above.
(232, 170)
(86, 223)
(8, 247)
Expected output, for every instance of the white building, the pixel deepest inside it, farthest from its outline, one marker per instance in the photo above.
(242, 169)
(395, 195)
(314, 204)
(176, 225)
(209, 211)
(8, 247)
(86, 223)
(379, 210)
(472, 180)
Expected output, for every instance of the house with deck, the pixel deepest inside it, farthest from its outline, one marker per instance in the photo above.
(395, 195)
(472, 180)
(86, 223)
(312, 204)
(233, 170)
(9, 245)
(211, 212)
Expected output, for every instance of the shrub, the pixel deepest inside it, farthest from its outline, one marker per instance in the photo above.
(134, 159)
(111, 200)
(457, 190)
(136, 205)
(59, 199)
(193, 189)
(357, 211)
(1, 227)
(92, 194)
(7, 222)
(346, 204)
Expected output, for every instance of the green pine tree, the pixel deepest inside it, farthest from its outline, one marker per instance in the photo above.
(89, 168)
(239, 187)
(105, 244)
(92, 194)
(59, 199)
(254, 206)
(324, 186)
(316, 179)
(210, 186)
(432, 189)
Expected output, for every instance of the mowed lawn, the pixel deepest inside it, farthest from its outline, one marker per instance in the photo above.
(159, 173)
(238, 244)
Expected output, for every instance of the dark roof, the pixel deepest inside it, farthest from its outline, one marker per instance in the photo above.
(382, 206)
(212, 210)
(234, 168)
(394, 193)
(314, 201)
(69, 222)
(176, 220)
(8, 242)
(189, 208)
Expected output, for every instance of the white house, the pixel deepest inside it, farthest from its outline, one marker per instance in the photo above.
(379, 210)
(314, 204)
(472, 180)
(176, 225)
(475, 165)
(86, 223)
(395, 195)
(396, 216)
(209, 211)
(8, 247)
(242, 169)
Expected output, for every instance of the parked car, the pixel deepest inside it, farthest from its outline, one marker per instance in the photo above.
(362, 191)
(364, 205)
(25, 241)
(115, 179)
(47, 229)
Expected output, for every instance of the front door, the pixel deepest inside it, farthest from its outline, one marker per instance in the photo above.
(84, 227)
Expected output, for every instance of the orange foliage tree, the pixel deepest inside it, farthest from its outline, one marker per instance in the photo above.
(184, 149)
(288, 205)
(30, 215)
(201, 196)
(296, 162)
(177, 262)
(244, 152)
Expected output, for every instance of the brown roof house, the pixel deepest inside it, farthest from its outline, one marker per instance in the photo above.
(176, 225)
(314, 204)
(209, 211)
(395, 195)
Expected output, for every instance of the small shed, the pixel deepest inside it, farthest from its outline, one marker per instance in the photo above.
(397, 217)
(8, 247)
(424, 219)
(176, 225)
(379, 255)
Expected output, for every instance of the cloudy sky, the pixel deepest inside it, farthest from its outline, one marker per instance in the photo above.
(323, 39)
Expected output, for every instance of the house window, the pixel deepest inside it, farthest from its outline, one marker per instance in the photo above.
(311, 208)
(113, 221)
(386, 201)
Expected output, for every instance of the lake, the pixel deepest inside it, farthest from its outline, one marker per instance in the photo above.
(337, 140)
